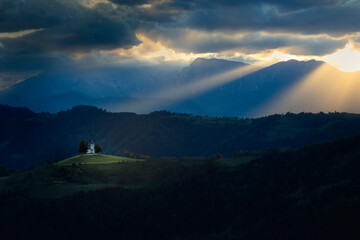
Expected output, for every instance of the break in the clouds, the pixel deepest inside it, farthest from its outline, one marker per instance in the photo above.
(185, 40)
(38, 34)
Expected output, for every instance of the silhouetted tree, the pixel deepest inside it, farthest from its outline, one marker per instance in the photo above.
(98, 148)
(82, 147)
(128, 154)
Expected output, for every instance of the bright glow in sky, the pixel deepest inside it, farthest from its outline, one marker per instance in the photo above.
(347, 59)
(326, 89)
(278, 56)
(155, 51)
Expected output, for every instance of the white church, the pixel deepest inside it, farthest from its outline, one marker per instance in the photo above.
(91, 148)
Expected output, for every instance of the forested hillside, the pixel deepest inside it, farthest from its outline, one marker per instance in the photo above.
(27, 138)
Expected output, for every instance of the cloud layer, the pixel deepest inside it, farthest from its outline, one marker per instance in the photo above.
(38, 34)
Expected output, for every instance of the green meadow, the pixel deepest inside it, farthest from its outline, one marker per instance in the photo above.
(95, 159)
(94, 172)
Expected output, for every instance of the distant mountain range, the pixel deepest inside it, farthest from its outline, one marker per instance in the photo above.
(28, 138)
(267, 91)
(201, 68)
(61, 90)
(242, 96)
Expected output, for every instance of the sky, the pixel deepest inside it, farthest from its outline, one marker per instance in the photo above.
(38, 35)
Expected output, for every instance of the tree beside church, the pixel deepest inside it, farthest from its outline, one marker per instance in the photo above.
(82, 147)
(89, 148)
(98, 148)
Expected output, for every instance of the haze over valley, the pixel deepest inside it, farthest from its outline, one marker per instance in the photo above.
(180, 119)
(211, 87)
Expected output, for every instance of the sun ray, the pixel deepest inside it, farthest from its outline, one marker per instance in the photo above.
(172, 96)
(325, 89)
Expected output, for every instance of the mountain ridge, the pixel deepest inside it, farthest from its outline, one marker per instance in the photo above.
(111, 88)
(29, 138)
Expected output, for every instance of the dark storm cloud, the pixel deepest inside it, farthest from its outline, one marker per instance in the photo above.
(130, 2)
(335, 17)
(176, 6)
(21, 15)
(156, 16)
(97, 33)
(329, 20)
(291, 4)
(163, 12)
(67, 26)
(200, 4)
(64, 28)
(290, 44)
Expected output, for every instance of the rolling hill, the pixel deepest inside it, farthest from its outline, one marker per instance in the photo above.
(313, 191)
(81, 173)
(28, 138)
(93, 172)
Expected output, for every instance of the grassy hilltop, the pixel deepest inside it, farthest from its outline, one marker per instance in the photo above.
(94, 159)
(94, 172)
(79, 173)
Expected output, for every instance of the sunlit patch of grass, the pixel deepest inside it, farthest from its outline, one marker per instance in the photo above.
(94, 172)
(95, 159)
